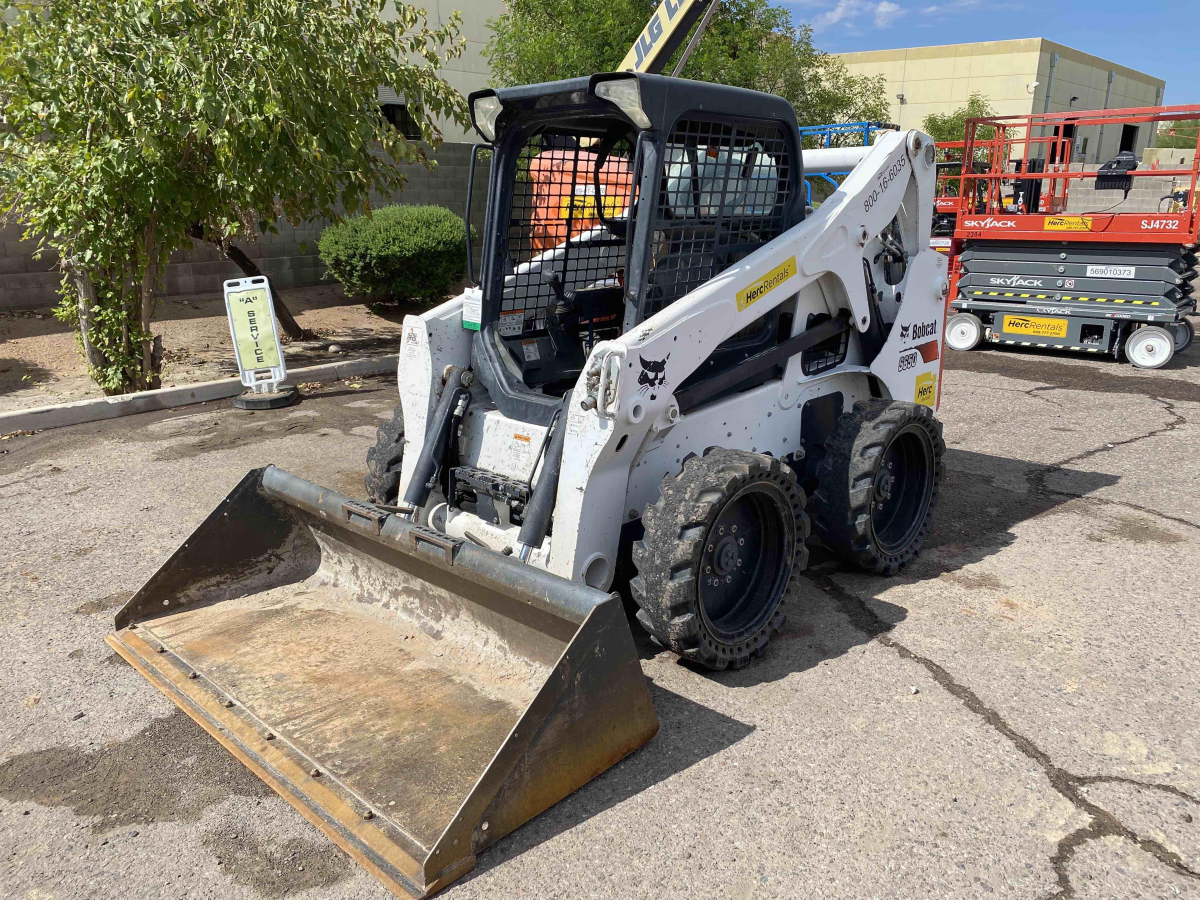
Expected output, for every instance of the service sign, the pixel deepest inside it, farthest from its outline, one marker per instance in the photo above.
(255, 334)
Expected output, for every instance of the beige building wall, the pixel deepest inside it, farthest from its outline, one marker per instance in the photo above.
(1015, 77)
(470, 71)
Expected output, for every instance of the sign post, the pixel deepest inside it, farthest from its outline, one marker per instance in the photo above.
(256, 345)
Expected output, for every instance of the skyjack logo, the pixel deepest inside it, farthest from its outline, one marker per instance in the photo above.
(1016, 281)
(989, 222)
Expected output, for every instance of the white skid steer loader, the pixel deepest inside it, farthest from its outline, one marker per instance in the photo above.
(669, 367)
(688, 361)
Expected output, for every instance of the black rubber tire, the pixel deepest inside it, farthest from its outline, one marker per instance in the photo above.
(382, 480)
(667, 587)
(846, 482)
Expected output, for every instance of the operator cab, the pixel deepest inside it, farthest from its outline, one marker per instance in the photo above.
(611, 197)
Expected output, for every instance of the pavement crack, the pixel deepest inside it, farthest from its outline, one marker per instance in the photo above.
(1144, 785)
(1037, 478)
(1102, 823)
(1105, 501)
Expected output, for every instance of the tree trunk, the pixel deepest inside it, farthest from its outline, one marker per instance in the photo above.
(151, 374)
(151, 349)
(286, 320)
(284, 315)
(86, 289)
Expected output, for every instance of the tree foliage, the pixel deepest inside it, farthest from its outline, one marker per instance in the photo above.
(952, 126)
(1184, 137)
(749, 43)
(132, 126)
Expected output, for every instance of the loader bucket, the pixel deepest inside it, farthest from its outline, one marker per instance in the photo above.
(414, 697)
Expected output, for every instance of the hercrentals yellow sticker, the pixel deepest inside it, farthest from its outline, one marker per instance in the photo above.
(1035, 326)
(1067, 223)
(770, 281)
(926, 390)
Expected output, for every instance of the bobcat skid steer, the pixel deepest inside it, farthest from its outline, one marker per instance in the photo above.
(669, 366)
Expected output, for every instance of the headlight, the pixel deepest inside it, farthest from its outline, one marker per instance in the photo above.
(485, 110)
(627, 96)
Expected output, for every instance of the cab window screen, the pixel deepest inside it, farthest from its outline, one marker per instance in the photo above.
(724, 191)
(555, 223)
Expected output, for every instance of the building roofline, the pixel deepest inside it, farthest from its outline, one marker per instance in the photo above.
(977, 48)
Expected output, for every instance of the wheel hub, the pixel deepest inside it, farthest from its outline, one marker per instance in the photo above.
(883, 484)
(902, 488)
(725, 558)
(745, 561)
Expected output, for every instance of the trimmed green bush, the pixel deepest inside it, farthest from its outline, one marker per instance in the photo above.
(397, 253)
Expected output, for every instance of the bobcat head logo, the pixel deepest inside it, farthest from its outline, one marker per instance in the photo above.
(904, 332)
(653, 374)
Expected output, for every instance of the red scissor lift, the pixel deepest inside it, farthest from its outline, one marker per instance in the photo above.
(1040, 259)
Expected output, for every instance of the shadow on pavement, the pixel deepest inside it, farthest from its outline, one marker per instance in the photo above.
(18, 374)
(1112, 377)
(689, 733)
(982, 499)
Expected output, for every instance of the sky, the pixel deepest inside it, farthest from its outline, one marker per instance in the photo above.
(1159, 39)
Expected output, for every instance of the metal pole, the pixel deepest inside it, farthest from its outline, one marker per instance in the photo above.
(687, 51)
(1107, 97)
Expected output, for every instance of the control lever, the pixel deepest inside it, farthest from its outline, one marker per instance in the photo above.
(563, 343)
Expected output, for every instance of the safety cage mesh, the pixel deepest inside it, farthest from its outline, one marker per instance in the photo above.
(829, 354)
(724, 193)
(555, 225)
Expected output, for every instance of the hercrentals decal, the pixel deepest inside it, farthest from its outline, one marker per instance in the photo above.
(1034, 326)
(768, 282)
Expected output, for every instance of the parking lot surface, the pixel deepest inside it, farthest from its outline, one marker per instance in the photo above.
(1015, 715)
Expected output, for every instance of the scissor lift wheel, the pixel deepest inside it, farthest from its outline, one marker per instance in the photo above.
(964, 331)
(1184, 334)
(1150, 347)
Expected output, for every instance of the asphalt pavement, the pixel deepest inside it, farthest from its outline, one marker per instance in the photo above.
(1015, 715)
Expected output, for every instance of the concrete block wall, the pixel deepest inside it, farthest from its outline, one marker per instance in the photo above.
(289, 258)
(1143, 197)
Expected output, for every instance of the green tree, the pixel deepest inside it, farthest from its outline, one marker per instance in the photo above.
(749, 43)
(132, 127)
(952, 126)
(1184, 137)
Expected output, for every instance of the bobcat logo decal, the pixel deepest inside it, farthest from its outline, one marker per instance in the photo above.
(653, 374)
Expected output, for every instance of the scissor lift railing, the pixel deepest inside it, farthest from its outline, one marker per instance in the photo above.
(1046, 142)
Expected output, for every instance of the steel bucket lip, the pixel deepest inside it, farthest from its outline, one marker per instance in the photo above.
(597, 652)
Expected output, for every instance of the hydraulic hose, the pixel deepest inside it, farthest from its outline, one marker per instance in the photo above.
(437, 439)
(541, 504)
